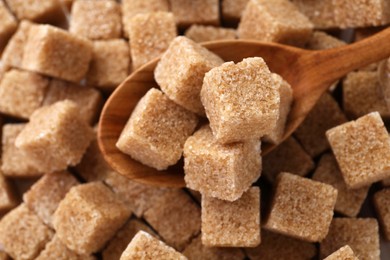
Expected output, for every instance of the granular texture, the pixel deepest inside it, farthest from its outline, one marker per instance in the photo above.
(344, 253)
(362, 150)
(204, 33)
(8, 25)
(241, 100)
(232, 224)
(301, 208)
(88, 217)
(183, 83)
(349, 201)
(189, 12)
(156, 131)
(42, 11)
(361, 234)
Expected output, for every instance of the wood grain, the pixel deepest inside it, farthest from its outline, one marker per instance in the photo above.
(310, 73)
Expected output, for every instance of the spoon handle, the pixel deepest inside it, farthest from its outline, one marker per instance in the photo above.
(330, 65)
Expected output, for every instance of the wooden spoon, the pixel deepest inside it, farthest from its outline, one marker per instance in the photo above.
(310, 73)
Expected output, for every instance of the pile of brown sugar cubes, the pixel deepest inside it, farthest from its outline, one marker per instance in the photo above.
(325, 191)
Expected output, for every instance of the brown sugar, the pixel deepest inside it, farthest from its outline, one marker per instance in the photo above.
(57, 53)
(322, 41)
(22, 234)
(55, 249)
(14, 161)
(289, 156)
(119, 242)
(220, 171)
(156, 131)
(145, 246)
(45, 195)
(175, 217)
(183, 84)
(362, 150)
(241, 107)
(42, 11)
(232, 224)
(361, 234)
(88, 216)
(130, 8)
(275, 246)
(344, 253)
(55, 137)
(204, 33)
(301, 208)
(349, 201)
(274, 21)
(188, 12)
(150, 35)
(286, 98)
(362, 95)
(196, 250)
(110, 64)
(325, 115)
(88, 99)
(136, 196)
(22, 92)
(233, 9)
(320, 12)
(382, 206)
(8, 25)
(96, 20)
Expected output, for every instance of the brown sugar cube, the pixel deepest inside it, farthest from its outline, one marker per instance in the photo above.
(349, 201)
(241, 100)
(4, 256)
(362, 150)
(55, 249)
(280, 22)
(13, 51)
(175, 217)
(286, 97)
(41, 11)
(8, 25)
(275, 246)
(182, 84)
(130, 8)
(150, 35)
(361, 234)
(363, 14)
(362, 95)
(322, 41)
(96, 20)
(320, 12)
(22, 92)
(382, 206)
(325, 115)
(8, 198)
(157, 127)
(233, 9)
(188, 12)
(56, 137)
(110, 64)
(57, 53)
(220, 171)
(203, 33)
(196, 250)
(289, 156)
(145, 246)
(45, 195)
(138, 197)
(232, 224)
(301, 208)
(88, 217)
(384, 80)
(118, 244)
(88, 99)
(344, 253)
(22, 234)
(14, 161)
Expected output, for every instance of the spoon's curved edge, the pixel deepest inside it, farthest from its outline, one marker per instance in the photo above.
(127, 94)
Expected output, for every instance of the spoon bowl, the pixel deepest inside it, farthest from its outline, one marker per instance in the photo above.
(309, 73)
